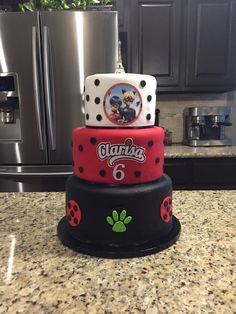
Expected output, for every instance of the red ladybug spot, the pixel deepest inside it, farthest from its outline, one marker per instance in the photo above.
(73, 213)
(166, 209)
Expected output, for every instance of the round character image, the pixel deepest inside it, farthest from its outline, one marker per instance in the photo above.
(122, 104)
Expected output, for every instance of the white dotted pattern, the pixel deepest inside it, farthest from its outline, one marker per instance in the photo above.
(95, 113)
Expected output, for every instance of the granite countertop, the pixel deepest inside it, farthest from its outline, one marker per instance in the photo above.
(183, 151)
(196, 275)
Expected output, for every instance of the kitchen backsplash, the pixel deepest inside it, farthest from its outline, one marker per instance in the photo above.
(172, 107)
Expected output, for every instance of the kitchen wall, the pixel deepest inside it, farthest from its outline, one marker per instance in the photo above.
(172, 107)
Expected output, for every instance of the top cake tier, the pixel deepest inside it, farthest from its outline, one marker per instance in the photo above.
(120, 100)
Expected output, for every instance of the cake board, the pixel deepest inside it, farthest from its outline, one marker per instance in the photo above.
(143, 249)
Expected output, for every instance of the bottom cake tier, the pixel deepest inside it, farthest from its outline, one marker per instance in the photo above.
(118, 221)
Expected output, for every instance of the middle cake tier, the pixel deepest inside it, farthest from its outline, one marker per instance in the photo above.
(118, 156)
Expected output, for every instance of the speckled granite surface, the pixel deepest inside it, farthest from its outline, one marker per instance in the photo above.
(182, 151)
(196, 275)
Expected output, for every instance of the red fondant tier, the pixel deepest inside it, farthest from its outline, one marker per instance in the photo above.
(118, 156)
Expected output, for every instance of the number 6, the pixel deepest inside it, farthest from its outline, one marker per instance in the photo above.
(117, 173)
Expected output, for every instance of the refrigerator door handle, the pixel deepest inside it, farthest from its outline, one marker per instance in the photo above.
(37, 88)
(49, 92)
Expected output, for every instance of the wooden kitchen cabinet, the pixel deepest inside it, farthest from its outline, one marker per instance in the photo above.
(155, 40)
(211, 44)
(179, 171)
(159, 40)
(201, 173)
(188, 45)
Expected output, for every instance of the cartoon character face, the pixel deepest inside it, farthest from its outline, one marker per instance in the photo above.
(115, 103)
(128, 97)
(115, 107)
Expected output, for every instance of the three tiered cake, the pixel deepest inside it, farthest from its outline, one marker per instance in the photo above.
(119, 201)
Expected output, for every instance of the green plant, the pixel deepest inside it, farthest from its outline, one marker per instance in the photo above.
(54, 4)
(61, 4)
(28, 6)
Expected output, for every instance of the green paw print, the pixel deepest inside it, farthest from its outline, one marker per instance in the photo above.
(117, 222)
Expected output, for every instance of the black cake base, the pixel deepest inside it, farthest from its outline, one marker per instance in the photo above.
(147, 248)
(118, 221)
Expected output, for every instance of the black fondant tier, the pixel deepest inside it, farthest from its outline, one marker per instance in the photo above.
(122, 221)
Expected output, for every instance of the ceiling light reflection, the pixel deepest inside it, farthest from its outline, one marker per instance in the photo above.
(80, 49)
(18, 154)
(3, 63)
(10, 263)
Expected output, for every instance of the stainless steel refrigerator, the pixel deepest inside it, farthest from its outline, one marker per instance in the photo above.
(44, 60)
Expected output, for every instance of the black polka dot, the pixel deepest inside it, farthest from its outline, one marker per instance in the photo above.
(99, 117)
(165, 216)
(97, 100)
(81, 148)
(149, 98)
(69, 205)
(166, 204)
(96, 82)
(72, 213)
(87, 116)
(148, 116)
(81, 169)
(137, 173)
(150, 143)
(93, 140)
(102, 173)
(170, 213)
(87, 97)
(158, 159)
(75, 208)
(168, 208)
(69, 217)
(75, 221)
(143, 83)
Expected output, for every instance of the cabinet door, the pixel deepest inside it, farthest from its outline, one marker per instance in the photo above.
(218, 172)
(211, 45)
(156, 50)
(179, 171)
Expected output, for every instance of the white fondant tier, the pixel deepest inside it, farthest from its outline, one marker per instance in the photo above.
(120, 100)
